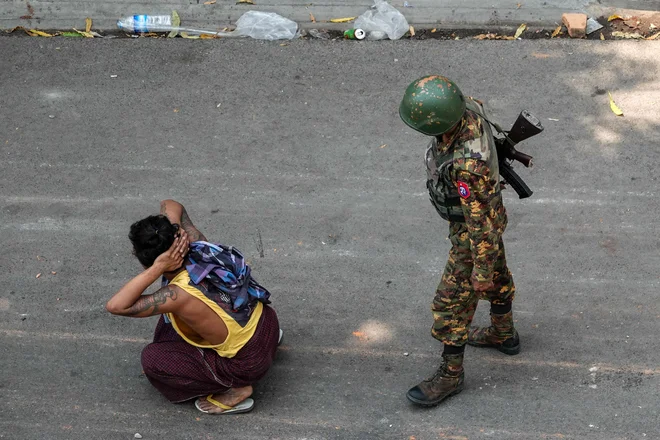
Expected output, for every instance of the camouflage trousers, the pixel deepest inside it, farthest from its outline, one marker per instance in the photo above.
(455, 301)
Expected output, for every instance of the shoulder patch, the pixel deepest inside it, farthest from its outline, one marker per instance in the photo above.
(463, 189)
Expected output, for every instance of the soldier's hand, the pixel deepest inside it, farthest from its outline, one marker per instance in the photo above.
(482, 286)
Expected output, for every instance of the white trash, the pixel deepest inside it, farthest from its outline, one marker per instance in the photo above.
(383, 17)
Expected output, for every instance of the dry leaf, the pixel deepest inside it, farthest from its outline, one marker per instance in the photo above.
(615, 109)
(434, 30)
(556, 32)
(602, 37)
(383, 146)
(189, 37)
(84, 34)
(53, 272)
(653, 37)
(412, 31)
(88, 24)
(520, 30)
(249, 2)
(284, 44)
(361, 336)
(208, 36)
(632, 22)
(176, 22)
(342, 20)
(636, 35)
(38, 275)
(212, 2)
(541, 55)
(614, 17)
(492, 36)
(36, 33)
(312, 18)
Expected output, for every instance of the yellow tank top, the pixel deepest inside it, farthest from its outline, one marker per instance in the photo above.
(237, 336)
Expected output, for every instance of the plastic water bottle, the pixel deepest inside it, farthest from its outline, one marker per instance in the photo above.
(146, 23)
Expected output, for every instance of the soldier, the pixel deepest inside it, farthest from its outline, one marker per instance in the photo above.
(463, 182)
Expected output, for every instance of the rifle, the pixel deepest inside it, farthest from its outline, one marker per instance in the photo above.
(526, 126)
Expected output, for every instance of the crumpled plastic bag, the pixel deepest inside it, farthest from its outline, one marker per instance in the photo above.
(264, 26)
(383, 17)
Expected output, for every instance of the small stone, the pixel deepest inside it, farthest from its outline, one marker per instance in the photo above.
(113, 76)
(137, 435)
(51, 116)
(406, 354)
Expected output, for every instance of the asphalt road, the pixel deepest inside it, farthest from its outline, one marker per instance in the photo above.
(302, 145)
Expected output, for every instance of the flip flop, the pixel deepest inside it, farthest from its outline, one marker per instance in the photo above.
(243, 407)
(279, 340)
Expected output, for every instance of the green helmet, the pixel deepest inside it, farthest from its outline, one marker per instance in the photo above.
(432, 105)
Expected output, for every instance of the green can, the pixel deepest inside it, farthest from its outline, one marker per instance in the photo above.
(355, 34)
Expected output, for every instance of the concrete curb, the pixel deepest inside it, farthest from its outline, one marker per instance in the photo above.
(426, 14)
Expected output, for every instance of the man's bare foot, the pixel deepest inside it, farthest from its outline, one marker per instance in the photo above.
(232, 397)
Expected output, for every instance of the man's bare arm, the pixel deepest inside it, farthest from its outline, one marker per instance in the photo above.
(177, 213)
(193, 233)
(162, 301)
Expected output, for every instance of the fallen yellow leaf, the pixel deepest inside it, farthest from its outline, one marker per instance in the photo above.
(361, 336)
(88, 24)
(312, 18)
(519, 5)
(614, 17)
(412, 31)
(84, 34)
(434, 30)
(653, 37)
(212, 2)
(342, 20)
(383, 146)
(249, 2)
(176, 22)
(602, 37)
(556, 32)
(615, 109)
(520, 30)
(636, 35)
(208, 36)
(34, 32)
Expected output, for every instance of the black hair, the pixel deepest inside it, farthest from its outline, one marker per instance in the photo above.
(151, 237)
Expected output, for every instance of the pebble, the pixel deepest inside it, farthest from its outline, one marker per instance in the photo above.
(51, 116)
(137, 435)
(406, 354)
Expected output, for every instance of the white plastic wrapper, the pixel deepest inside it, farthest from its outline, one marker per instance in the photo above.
(383, 17)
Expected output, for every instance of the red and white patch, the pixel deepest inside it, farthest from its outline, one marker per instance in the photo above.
(463, 190)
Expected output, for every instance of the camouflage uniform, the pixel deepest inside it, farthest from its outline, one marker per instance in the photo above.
(463, 183)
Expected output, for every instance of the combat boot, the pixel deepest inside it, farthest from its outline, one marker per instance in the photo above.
(500, 335)
(447, 381)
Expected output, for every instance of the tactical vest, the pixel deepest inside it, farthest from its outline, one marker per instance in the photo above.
(441, 167)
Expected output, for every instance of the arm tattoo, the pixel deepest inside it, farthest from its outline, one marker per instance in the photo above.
(151, 303)
(191, 230)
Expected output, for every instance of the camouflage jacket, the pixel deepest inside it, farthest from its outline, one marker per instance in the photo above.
(463, 183)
